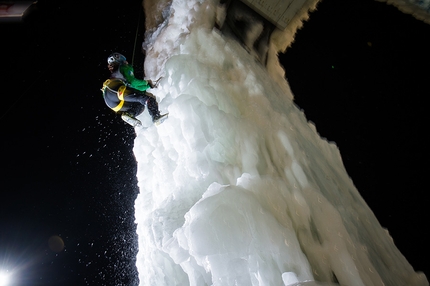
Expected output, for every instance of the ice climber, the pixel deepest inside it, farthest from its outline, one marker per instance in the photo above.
(126, 95)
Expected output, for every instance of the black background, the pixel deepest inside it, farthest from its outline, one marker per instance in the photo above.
(358, 69)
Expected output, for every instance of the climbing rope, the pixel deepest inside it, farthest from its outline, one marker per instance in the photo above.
(135, 37)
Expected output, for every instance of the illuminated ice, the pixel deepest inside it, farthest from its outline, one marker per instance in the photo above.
(237, 187)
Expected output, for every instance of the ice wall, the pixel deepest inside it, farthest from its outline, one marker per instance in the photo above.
(236, 187)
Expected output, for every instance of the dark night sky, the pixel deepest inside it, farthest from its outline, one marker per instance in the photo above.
(358, 69)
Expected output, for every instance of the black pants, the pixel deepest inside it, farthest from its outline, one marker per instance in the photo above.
(125, 99)
(134, 104)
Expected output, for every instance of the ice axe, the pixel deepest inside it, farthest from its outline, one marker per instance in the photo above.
(155, 84)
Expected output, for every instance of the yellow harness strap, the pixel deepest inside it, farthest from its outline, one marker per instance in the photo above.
(119, 106)
(121, 90)
(105, 85)
(120, 93)
(121, 97)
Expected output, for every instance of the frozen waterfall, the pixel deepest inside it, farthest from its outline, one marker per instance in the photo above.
(237, 187)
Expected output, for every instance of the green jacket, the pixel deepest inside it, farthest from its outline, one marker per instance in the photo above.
(128, 72)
